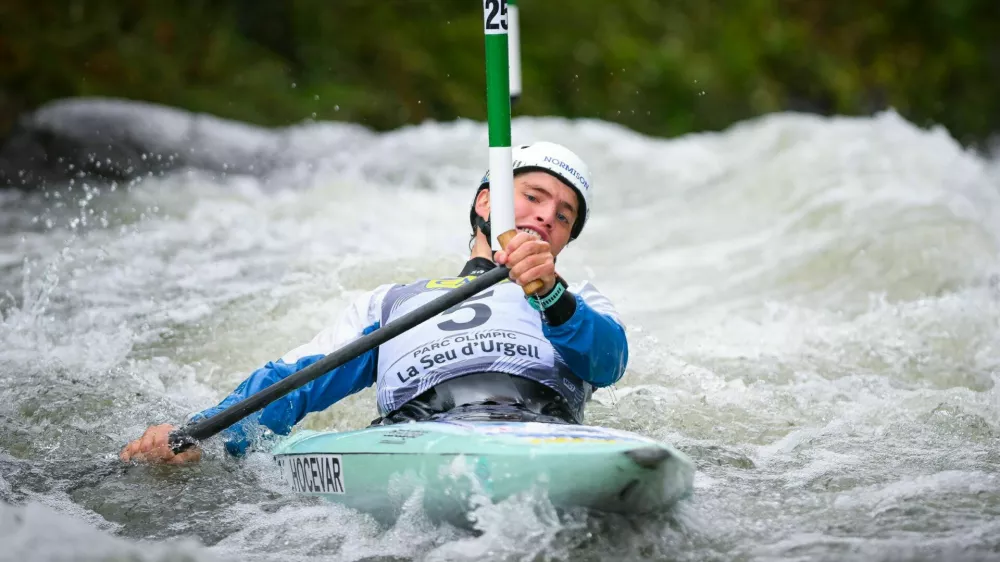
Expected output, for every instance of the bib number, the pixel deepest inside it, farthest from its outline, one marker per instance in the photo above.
(481, 316)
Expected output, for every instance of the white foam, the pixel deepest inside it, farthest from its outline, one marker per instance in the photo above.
(809, 304)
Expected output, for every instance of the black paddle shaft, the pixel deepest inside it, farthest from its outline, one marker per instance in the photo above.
(190, 434)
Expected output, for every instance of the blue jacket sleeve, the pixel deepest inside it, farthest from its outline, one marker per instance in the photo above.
(592, 343)
(282, 414)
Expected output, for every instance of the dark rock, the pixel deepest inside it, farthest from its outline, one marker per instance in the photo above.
(109, 139)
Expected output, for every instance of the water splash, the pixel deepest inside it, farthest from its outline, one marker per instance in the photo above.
(811, 305)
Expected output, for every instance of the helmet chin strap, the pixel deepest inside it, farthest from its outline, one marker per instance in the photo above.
(484, 226)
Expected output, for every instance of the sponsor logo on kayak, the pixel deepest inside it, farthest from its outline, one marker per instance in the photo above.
(550, 440)
(313, 474)
(540, 433)
(400, 436)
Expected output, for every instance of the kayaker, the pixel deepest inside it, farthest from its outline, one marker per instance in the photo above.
(496, 356)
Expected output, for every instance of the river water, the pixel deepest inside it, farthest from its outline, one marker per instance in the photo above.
(812, 308)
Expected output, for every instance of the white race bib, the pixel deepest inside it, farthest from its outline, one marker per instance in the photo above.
(493, 331)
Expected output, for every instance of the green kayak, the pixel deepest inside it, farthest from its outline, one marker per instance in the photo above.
(457, 464)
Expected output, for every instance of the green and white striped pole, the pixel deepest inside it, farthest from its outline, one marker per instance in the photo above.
(498, 122)
(498, 119)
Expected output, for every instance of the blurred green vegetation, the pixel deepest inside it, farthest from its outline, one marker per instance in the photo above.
(660, 67)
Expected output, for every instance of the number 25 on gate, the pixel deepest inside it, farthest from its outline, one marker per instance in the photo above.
(495, 16)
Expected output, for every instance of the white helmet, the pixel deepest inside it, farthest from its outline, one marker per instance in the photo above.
(554, 159)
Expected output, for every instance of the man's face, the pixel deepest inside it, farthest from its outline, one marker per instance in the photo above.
(542, 204)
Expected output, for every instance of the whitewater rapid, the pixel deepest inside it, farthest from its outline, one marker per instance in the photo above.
(812, 306)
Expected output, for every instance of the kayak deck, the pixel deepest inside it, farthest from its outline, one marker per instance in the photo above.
(455, 463)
